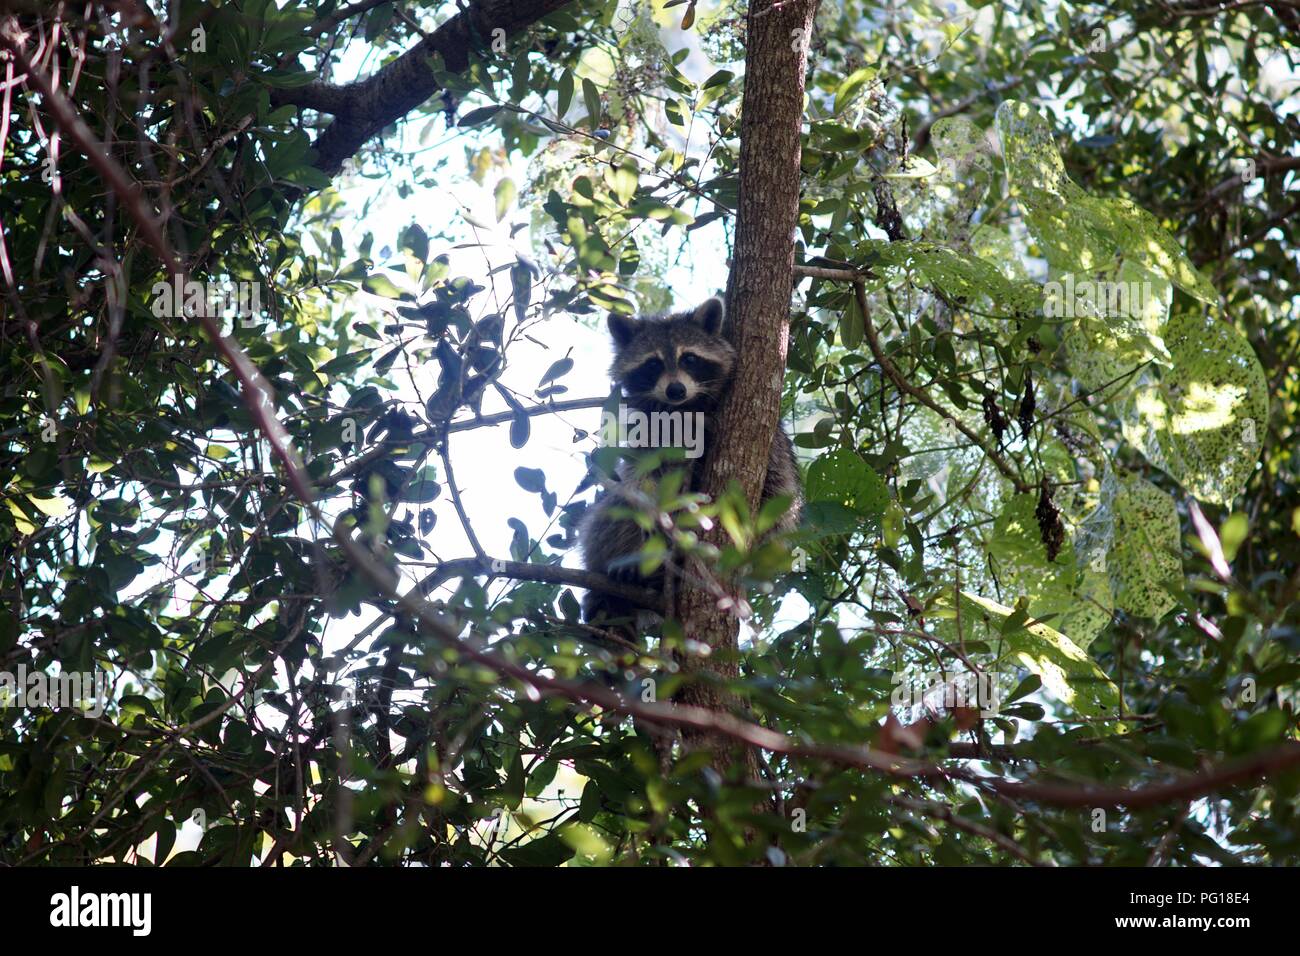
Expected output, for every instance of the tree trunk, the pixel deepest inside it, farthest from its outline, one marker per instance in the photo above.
(758, 306)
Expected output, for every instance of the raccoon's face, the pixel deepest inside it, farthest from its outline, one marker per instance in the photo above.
(675, 361)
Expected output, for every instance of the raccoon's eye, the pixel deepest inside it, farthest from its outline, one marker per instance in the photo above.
(689, 361)
(643, 377)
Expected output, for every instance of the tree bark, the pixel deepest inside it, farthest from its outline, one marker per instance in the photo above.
(758, 305)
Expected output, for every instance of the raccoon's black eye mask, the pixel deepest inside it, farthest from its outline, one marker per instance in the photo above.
(700, 369)
(644, 377)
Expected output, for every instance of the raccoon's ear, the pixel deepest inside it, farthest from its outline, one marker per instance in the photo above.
(622, 328)
(710, 314)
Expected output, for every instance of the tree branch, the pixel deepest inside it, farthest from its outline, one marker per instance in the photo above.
(1183, 788)
(432, 434)
(543, 573)
(363, 108)
(941, 811)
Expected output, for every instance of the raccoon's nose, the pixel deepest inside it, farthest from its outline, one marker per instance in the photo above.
(675, 391)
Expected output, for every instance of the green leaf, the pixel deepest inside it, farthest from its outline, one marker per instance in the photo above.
(565, 94)
(378, 21)
(1232, 534)
(513, 790)
(660, 211)
(1078, 232)
(916, 167)
(968, 171)
(1066, 670)
(956, 274)
(1092, 609)
(1118, 328)
(478, 116)
(852, 327)
(719, 78)
(587, 842)
(548, 851)
(1203, 420)
(415, 241)
(622, 181)
(589, 805)
(521, 285)
(844, 478)
(851, 86)
(558, 369)
(892, 524)
(505, 196)
(531, 479)
(54, 507)
(423, 487)
(520, 423)
(1145, 559)
(591, 97)
(379, 284)
(1020, 560)
(996, 246)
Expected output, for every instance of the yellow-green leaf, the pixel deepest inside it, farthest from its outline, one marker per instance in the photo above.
(1068, 673)
(505, 196)
(54, 507)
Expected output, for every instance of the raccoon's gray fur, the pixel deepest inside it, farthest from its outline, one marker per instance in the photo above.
(679, 362)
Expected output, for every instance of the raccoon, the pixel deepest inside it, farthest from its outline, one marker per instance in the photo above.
(681, 363)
